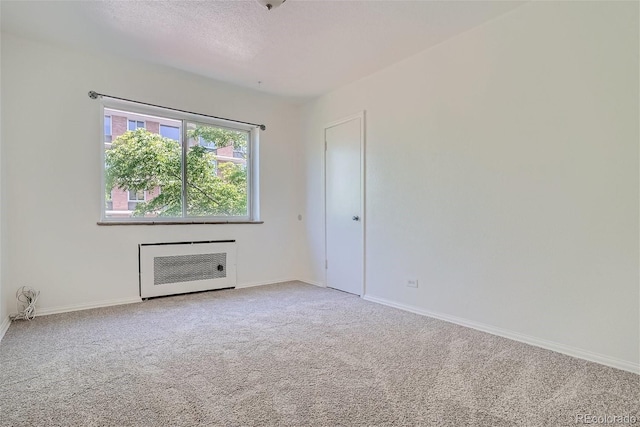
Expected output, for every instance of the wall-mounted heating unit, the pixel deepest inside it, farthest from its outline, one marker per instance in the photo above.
(178, 268)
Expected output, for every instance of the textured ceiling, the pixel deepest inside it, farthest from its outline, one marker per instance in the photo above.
(301, 49)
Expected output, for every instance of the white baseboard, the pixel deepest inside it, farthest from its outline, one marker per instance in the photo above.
(262, 283)
(549, 345)
(78, 307)
(4, 326)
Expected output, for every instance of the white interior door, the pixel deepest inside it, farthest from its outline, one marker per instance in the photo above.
(344, 205)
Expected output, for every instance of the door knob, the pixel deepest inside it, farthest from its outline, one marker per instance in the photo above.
(356, 218)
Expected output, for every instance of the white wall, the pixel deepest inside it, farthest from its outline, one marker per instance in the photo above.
(51, 144)
(502, 172)
(4, 313)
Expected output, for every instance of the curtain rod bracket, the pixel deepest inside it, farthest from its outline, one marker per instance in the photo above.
(93, 95)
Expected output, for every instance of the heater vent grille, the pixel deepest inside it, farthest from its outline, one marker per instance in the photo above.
(182, 267)
(189, 268)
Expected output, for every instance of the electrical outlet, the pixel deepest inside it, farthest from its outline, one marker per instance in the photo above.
(412, 283)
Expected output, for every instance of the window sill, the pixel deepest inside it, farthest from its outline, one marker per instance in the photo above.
(175, 222)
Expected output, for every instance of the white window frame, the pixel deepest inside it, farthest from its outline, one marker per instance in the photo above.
(252, 162)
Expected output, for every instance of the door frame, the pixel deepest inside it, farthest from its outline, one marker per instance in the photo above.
(363, 216)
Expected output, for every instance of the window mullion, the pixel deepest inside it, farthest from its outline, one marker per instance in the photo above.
(183, 161)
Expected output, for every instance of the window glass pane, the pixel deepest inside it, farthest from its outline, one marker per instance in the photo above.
(143, 169)
(135, 196)
(171, 132)
(209, 145)
(240, 153)
(139, 162)
(217, 182)
(107, 125)
(135, 124)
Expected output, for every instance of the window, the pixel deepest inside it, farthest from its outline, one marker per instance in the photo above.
(171, 132)
(210, 176)
(108, 200)
(240, 153)
(134, 197)
(107, 129)
(135, 124)
(137, 196)
(209, 145)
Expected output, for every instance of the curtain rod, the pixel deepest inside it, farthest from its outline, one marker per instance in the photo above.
(95, 95)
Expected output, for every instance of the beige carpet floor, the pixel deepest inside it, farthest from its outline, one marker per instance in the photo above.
(289, 354)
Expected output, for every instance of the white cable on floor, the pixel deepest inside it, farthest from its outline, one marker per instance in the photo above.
(26, 304)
